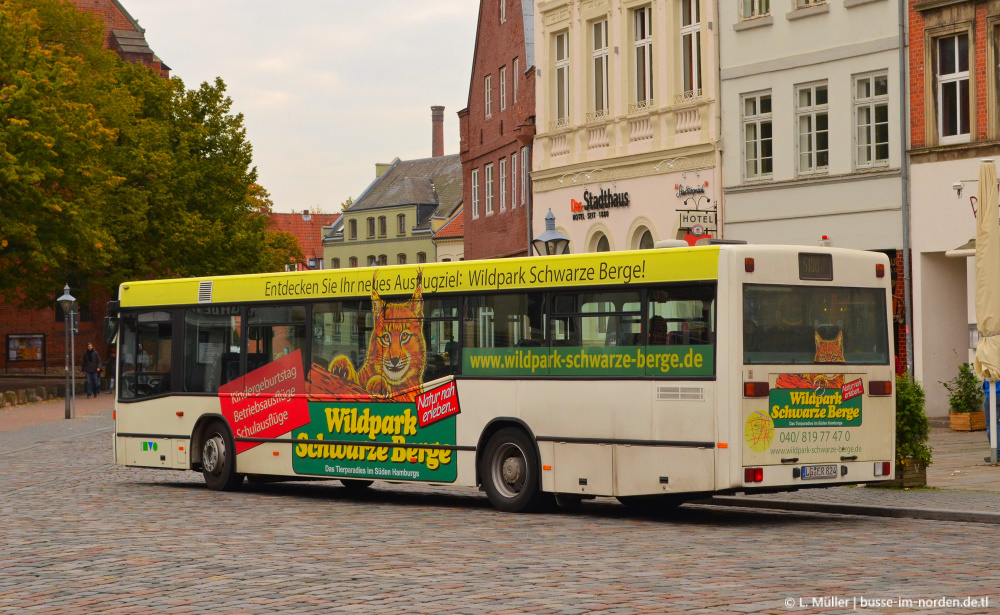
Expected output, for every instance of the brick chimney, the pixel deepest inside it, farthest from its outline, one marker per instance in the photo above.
(437, 131)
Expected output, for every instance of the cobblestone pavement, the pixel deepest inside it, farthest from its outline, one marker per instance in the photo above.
(80, 535)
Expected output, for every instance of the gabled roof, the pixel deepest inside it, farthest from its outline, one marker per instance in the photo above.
(307, 228)
(432, 182)
(455, 229)
(130, 41)
(528, 25)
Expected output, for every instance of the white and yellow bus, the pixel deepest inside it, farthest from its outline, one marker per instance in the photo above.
(654, 376)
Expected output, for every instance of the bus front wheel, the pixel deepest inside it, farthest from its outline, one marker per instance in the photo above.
(509, 470)
(218, 459)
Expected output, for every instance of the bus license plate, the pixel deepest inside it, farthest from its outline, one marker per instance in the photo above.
(816, 472)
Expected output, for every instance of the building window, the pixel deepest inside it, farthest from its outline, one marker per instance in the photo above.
(335, 263)
(601, 243)
(371, 227)
(871, 117)
(353, 225)
(353, 261)
(646, 241)
(642, 20)
(475, 193)
(503, 184)
(401, 224)
(421, 257)
(503, 11)
(372, 260)
(807, 3)
(600, 68)
(503, 88)
(489, 189)
(517, 75)
(756, 8)
(445, 260)
(489, 95)
(524, 175)
(757, 147)
(383, 260)
(382, 226)
(562, 78)
(813, 127)
(691, 46)
(513, 180)
(400, 259)
(953, 88)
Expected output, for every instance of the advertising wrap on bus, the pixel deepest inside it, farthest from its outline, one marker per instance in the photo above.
(677, 361)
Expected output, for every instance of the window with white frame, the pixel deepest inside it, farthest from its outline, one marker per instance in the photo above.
(801, 4)
(756, 8)
(642, 22)
(475, 193)
(353, 225)
(489, 95)
(503, 88)
(600, 34)
(524, 175)
(812, 118)
(516, 76)
(489, 189)
(758, 155)
(562, 77)
(513, 181)
(871, 120)
(953, 104)
(691, 46)
(503, 184)
(503, 11)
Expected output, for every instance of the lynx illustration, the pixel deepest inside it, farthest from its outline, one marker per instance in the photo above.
(395, 361)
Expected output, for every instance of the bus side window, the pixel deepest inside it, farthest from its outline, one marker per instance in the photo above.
(274, 333)
(681, 316)
(211, 347)
(504, 321)
(147, 343)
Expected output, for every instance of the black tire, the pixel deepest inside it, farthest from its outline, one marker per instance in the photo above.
(509, 469)
(355, 484)
(218, 458)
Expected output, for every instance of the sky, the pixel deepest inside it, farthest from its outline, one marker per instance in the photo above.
(327, 87)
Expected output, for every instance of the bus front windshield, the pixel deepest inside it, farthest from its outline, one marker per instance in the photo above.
(814, 324)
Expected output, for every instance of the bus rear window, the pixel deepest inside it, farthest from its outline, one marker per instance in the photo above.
(813, 324)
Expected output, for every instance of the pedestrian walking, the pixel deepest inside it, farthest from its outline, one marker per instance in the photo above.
(109, 370)
(91, 367)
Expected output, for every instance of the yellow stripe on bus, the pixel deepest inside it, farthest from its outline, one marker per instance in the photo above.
(576, 270)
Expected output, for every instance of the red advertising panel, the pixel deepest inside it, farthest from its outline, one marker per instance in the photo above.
(268, 402)
(853, 389)
(437, 404)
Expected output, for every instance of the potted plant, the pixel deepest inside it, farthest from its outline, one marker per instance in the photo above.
(912, 432)
(965, 397)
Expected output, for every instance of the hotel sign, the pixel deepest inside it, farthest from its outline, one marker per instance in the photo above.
(597, 205)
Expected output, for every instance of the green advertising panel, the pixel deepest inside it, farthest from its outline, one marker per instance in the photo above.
(368, 424)
(807, 408)
(670, 361)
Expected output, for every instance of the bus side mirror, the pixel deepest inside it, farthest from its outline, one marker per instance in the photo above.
(110, 329)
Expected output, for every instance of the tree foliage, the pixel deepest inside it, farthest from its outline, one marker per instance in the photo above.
(110, 173)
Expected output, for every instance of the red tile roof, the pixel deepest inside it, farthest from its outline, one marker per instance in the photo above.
(308, 232)
(454, 229)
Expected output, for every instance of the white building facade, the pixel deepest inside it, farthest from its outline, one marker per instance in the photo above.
(811, 104)
(627, 121)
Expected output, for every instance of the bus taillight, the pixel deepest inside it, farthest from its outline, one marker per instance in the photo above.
(880, 388)
(882, 468)
(753, 475)
(755, 389)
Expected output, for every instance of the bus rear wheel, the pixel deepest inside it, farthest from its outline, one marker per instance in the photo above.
(509, 470)
(218, 458)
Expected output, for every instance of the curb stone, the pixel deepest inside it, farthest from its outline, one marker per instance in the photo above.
(866, 510)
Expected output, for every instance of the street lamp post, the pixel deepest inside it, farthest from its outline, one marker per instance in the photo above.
(551, 242)
(68, 303)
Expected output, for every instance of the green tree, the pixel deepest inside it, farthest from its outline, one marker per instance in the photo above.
(110, 173)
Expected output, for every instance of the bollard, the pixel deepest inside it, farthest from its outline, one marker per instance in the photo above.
(10, 398)
(22, 397)
(29, 396)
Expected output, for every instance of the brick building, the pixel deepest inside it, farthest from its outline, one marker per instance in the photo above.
(309, 229)
(123, 34)
(497, 129)
(35, 340)
(954, 123)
